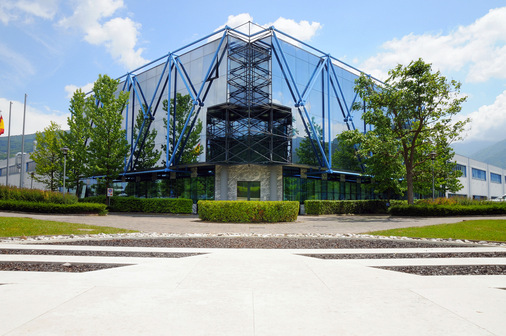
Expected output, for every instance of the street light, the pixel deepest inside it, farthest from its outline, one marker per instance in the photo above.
(65, 151)
(433, 157)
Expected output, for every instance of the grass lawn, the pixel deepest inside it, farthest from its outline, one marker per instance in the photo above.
(16, 227)
(492, 230)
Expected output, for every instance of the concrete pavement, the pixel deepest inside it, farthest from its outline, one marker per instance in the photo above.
(250, 291)
(327, 224)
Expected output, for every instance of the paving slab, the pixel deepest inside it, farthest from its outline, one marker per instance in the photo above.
(248, 292)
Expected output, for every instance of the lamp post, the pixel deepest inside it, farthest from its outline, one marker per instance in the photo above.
(433, 157)
(65, 151)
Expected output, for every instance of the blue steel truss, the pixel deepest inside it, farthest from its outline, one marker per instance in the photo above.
(173, 68)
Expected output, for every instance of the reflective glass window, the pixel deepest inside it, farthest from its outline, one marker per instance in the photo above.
(495, 178)
(248, 191)
(461, 168)
(479, 174)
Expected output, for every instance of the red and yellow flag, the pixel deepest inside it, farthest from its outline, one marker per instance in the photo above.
(2, 127)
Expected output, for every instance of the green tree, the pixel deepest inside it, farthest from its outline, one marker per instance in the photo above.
(192, 150)
(147, 156)
(411, 116)
(344, 156)
(76, 140)
(107, 146)
(48, 156)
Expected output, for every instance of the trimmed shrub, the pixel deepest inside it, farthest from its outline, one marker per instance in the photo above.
(151, 205)
(326, 207)
(35, 195)
(41, 207)
(126, 204)
(248, 211)
(167, 205)
(490, 208)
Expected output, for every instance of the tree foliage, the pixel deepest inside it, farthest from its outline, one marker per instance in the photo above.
(48, 156)
(108, 146)
(411, 116)
(147, 155)
(344, 156)
(76, 140)
(190, 152)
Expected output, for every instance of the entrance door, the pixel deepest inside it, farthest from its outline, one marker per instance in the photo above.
(248, 190)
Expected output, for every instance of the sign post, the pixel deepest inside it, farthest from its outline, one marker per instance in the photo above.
(110, 192)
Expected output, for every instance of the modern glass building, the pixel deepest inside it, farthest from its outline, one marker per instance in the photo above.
(242, 114)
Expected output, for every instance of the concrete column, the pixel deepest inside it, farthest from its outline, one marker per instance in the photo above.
(273, 184)
(224, 183)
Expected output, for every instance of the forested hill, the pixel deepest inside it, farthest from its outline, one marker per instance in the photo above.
(494, 155)
(15, 144)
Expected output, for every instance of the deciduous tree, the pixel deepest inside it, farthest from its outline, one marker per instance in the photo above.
(189, 152)
(108, 146)
(48, 156)
(76, 140)
(411, 116)
(145, 156)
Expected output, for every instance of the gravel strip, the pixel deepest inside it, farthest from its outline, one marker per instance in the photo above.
(449, 269)
(262, 243)
(424, 242)
(100, 253)
(32, 266)
(407, 255)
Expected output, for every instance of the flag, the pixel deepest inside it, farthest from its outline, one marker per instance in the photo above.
(2, 127)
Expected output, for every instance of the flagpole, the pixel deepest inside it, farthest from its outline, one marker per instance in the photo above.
(8, 146)
(22, 173)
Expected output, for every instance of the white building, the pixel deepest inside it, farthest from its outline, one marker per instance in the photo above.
(15, 173)
(480, 180)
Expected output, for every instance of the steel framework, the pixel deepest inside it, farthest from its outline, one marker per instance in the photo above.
(249, 128)
(249, 108)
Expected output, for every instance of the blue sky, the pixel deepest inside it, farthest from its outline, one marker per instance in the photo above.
(50, 47)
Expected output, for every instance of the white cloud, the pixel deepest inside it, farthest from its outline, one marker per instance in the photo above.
(118, 35)
(479, 49)
(234, 21)
(45, 9)
(488, 122)
(302, 30)
(71, 88)
(11, 10)
(36, 120)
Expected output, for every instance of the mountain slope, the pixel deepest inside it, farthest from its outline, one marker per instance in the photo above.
(494, 154)
(16, 145)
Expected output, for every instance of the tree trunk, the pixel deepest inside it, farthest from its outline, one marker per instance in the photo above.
(409, 181)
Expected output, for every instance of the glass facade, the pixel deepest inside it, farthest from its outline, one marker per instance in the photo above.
(236, 98)
(298, 186)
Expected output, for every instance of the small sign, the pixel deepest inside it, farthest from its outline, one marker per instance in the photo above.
(109, 192)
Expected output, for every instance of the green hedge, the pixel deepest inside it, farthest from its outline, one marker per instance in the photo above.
(498, 208)
(41, 207)
(35, 195)
(248, 211)
(323, 207)
(151, 205)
